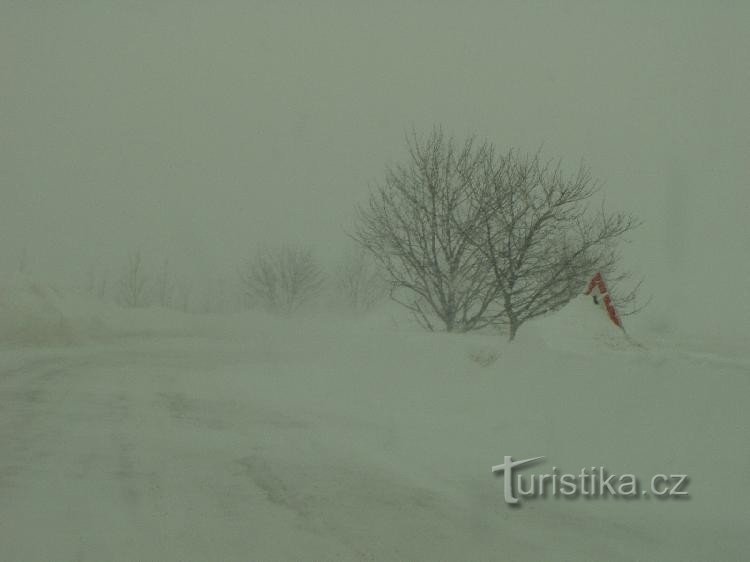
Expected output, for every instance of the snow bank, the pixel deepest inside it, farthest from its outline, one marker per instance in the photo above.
(35, 313)
(579, 326)
(327, 438)
(32, 313)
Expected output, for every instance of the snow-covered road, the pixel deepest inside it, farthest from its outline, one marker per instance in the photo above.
(170, 452)
(132, 454)
(300, 448)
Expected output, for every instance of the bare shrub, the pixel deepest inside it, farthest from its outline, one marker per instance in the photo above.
(359, 284)
(282, 279)
(133, 283)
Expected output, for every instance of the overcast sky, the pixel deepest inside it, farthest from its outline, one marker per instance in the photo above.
(201, 129)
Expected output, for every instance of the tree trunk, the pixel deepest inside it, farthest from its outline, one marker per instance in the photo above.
(513, 328)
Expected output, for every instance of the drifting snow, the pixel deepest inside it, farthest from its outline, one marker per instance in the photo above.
(320, 439)
(35, 313)
(581, 325)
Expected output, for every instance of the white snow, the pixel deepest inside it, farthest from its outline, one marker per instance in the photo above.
(581, 325)
(256, 438)
(36, 313)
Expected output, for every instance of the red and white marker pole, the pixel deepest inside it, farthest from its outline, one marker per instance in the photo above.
(597, 287)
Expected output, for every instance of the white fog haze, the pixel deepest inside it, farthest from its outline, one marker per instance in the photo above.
(196, 131)
(195, 136)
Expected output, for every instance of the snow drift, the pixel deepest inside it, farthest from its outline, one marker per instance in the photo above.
(35, 313)
(32, 313)
(580, 325)
(321, 438)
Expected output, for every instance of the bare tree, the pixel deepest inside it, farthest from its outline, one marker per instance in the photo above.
(165, 286)
(23, 259)
(474, 238)
(184, 291)
(359, 283)
(133, 282)
(418, 225)
(282, 279)
(539, 235)
(101, 291)
(96, 283)
(91, 281)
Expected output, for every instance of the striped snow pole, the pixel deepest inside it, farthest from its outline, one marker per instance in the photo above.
(597, 287)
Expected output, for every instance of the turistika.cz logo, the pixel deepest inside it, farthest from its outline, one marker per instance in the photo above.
(593, 481)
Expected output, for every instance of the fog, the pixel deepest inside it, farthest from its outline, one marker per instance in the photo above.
(197, 131)
(139, 420)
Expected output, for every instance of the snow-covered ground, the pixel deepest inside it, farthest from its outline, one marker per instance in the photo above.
(153, 436)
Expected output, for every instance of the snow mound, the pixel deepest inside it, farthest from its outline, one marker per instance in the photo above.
(32, 313)
(580, 325)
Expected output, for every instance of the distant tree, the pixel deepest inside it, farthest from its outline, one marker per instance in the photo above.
(101, 291)
(418, 224)
(96, 283)
(165, 286)
(539, 236)
(132, 290)
(282, 279)
(184, 290)
(359, 284)
(23, 259)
